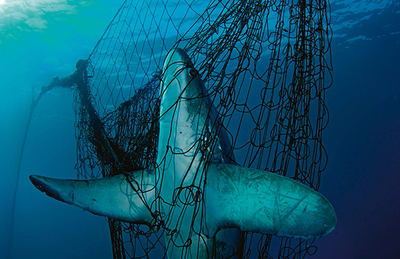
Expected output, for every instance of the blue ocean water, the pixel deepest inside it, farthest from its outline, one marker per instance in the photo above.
(41, 39)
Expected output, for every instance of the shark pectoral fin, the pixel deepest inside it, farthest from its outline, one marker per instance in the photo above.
(258, 201)
(125, 197)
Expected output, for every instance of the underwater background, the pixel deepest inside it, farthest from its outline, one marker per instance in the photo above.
(41, 39)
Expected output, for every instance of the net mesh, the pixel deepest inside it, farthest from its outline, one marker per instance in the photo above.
(266, 65)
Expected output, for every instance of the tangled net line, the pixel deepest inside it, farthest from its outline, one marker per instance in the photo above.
(266, 65)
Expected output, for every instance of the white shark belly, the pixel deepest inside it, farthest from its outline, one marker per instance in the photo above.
(198, 199)
(185, 116)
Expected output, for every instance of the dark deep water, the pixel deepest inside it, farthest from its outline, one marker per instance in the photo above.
(362, 139)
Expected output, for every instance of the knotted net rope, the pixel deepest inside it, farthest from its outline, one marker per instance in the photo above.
(266, 65)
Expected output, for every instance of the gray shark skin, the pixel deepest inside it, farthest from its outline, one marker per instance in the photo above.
(187, 116)
(234, 198)
(118, 197)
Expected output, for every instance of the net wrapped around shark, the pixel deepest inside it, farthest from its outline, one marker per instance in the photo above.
(266, 66)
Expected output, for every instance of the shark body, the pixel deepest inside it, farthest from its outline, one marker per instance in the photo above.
(204, 204)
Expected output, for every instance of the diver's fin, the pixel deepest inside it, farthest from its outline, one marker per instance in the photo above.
(258, 201)
(124, 197)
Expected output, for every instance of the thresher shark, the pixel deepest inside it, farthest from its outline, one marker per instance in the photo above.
(233, 198)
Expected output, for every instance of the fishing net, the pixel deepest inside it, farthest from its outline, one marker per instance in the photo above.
(266, 66)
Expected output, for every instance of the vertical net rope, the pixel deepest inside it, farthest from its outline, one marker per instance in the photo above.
(266, 66)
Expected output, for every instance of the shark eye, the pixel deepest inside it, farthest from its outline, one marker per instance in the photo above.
(193, 72)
